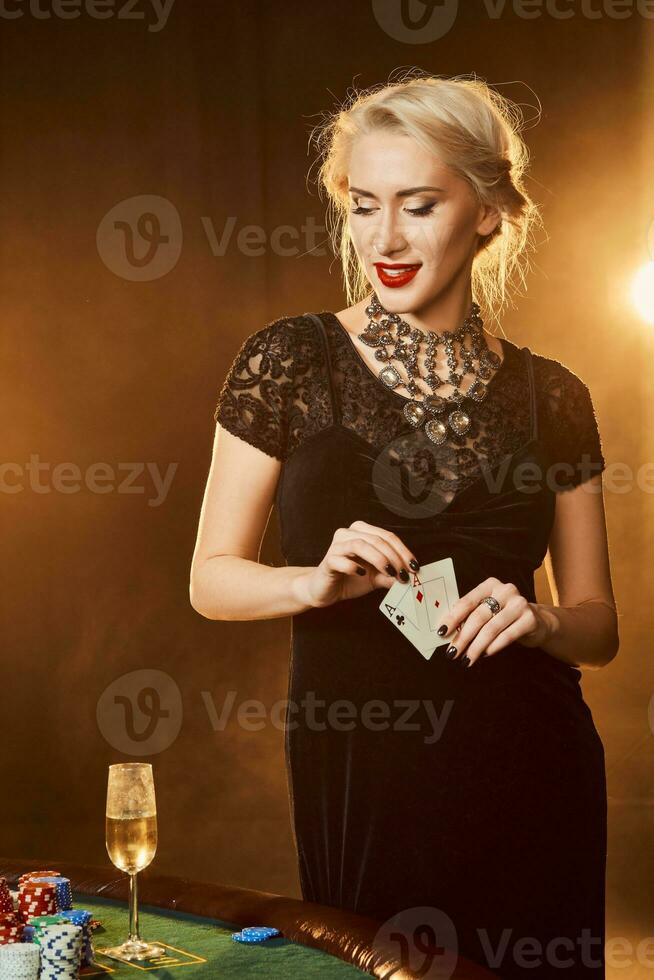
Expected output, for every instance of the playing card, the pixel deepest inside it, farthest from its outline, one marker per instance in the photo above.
(417, 607)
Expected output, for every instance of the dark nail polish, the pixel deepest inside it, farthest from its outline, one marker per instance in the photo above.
(404, 575)
(414, 565)
(441, 648)
(389, 568)
(465, 660)
(361, 571)
(450, 652)
(442, 630)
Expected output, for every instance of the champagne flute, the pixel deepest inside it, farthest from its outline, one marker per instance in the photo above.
(131, 839)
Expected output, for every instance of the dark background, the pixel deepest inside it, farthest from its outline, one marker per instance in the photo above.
(103, 364)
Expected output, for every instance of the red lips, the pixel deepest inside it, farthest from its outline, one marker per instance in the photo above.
(399, 278)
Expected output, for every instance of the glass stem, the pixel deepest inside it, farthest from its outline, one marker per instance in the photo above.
(133, 909)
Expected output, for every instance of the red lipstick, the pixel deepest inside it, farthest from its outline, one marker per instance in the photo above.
(395, 279)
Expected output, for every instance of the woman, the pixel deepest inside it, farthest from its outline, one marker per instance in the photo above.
(470, 781)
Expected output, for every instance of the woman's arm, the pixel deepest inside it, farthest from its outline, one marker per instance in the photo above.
(581, 628)
(227, 581)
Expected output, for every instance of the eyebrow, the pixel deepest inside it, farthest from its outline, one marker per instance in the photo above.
(405, 193)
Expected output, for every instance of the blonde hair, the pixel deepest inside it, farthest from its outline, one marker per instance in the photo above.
(473, 130)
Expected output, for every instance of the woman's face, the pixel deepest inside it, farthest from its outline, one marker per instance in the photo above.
(407, 209)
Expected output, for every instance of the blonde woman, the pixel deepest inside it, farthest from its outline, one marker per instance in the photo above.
(390, 434)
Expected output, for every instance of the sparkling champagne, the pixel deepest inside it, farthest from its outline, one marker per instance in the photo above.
(131, 841)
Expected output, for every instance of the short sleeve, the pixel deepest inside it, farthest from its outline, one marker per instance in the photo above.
(573, 434)
(253, 400)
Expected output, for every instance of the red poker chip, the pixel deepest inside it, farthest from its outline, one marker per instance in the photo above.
(38, 874)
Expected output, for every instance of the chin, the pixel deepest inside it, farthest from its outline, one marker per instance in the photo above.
(403, 300)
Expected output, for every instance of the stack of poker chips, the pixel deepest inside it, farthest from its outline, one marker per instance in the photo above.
(63, 893)
(20, 961)
(36, 898)
(61, 949)
(11, 928)
(37, 874)
(22, 881)
(82, 917)
(6, 901)
(255, 934)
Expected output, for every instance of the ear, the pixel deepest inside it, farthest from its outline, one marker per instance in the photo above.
(490, 218)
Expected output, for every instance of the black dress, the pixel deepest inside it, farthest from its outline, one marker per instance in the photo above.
(478, 792)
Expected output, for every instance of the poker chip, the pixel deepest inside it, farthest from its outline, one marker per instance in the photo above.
(38, 921)
(83, 918)
(37, 874)
(11, 928)
(63, 893)
(41, 939)
(36, 898)
(61, 950)
(20, 962)
(6, 901)
(255, 934)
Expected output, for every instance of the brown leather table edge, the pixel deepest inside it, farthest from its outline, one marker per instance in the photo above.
(343, 934)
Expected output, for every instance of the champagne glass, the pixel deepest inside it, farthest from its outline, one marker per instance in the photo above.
(131, 838)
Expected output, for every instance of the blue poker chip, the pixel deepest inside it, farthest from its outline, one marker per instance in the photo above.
(267, 931)
(255, 934)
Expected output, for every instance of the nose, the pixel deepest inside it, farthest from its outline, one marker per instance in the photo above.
(388, 239)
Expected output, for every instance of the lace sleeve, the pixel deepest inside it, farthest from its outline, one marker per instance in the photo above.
(253, 400)
(573, 433)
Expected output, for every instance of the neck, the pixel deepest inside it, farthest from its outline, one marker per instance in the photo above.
(446, 312)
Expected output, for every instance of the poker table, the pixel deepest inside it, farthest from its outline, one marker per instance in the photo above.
(196, 919)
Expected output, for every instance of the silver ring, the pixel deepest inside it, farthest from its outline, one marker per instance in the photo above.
(492, 603)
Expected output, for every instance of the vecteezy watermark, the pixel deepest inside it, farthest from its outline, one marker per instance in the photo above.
(141, 712)
(426, 21)
(102, 478)
(286, 241)
(156, 12)
(412, 476)
(317, 715)
(141, 238)
(422, 939)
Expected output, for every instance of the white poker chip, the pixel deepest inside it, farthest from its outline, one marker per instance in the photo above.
(20, 961)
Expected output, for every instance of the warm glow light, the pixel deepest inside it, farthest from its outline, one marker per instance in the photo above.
(642, 292)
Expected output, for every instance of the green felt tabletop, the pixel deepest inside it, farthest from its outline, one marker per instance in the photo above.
(203, 948)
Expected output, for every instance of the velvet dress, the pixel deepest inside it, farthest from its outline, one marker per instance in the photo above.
(480, 791)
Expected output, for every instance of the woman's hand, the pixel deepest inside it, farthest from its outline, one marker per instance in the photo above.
(361, 557)
(482, 634)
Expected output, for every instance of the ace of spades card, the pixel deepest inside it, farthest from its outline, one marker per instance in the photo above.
(417, 607)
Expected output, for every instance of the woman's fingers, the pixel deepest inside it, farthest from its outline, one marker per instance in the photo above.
(395, 557)
(409, 560)
(359, 547)
(344, 565)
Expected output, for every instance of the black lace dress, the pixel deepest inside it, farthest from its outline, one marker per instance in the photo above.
(478, 792)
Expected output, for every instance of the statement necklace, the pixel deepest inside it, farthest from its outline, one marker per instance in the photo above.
(438, 413)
